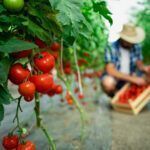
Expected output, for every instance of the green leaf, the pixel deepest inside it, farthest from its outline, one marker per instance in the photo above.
(69, 14)
(16, 45)
(5, 97)
(36, 30)
(101, 8)
(2, 8)
(1, 112)
(4, 69)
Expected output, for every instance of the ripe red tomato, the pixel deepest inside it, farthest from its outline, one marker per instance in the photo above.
(80, 96)
(28, 98)
(51, 93)
(67, 70)
(10, 142)
(69, 98)
(17, 73)
(58, 89)
(27, 89)
(40, 43)
(13, 5)
(44, 61)
(26, 146)
(55, 46)
(55, 55)
(22, 54)
(42, 82)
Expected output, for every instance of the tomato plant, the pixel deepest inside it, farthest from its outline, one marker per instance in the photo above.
(32, 34)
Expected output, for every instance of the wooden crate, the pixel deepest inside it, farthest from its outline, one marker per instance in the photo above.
(133, 107)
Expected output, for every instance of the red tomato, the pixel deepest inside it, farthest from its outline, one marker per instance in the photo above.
(80, 96)
(86, 54)
(28, 98)
(22, 54)
(58, 89)
(69, 98)
(17, 73)
(76, 90)
(42, 82)
(27, 89)
(26, 146)
(55, 46)
(67, 70)
(44, 61)
(40, 43)
(51, 93)
(56, 55)
(10, 142)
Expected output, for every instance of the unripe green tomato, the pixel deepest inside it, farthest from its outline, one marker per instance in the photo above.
(13, 5)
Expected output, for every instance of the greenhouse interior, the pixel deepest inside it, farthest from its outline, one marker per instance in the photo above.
(74, 75)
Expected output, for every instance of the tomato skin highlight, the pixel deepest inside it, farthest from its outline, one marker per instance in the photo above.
(55, 46)
(42, 82)
(22, 54)
(10, 142)
(27, 89)
(13, 5)
(17, 74)
(28, 145)
(44, 61)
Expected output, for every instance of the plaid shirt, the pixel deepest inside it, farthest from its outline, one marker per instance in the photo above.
(112, 55)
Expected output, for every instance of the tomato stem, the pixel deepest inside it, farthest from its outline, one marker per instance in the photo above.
(80, 109)
(37, 110)
(17, 113)
(78, 70)
(49, 138)
(39, 120)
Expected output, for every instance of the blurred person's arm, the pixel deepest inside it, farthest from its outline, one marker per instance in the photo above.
(111, 70)
(142, 67)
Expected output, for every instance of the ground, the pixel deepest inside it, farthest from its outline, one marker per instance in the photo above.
(105, 128)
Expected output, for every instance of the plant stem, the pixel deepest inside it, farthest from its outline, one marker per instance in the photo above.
(78, 70)
(49, 138)
(17, 113)
(37, 110)
(39, 124)
(80, 109)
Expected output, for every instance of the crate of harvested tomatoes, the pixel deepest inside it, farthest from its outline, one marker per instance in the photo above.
(131, 98)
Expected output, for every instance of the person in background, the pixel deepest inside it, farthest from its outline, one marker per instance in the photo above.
(124, 60)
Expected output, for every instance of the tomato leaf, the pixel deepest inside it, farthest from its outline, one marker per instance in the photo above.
(1, 112)
(4, 69)
(15, 45)
(101, 8)
(5, 97)
(69, 15)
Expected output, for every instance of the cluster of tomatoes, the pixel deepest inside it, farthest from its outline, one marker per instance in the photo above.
(131, 93)
(37, 79)
(11, 142)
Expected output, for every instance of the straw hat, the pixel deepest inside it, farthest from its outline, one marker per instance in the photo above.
(132, 34)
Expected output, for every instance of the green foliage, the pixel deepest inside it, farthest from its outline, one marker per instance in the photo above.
(4, 69)
(143, 19)
(1, 112)
(5, 97)
(15, 45)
